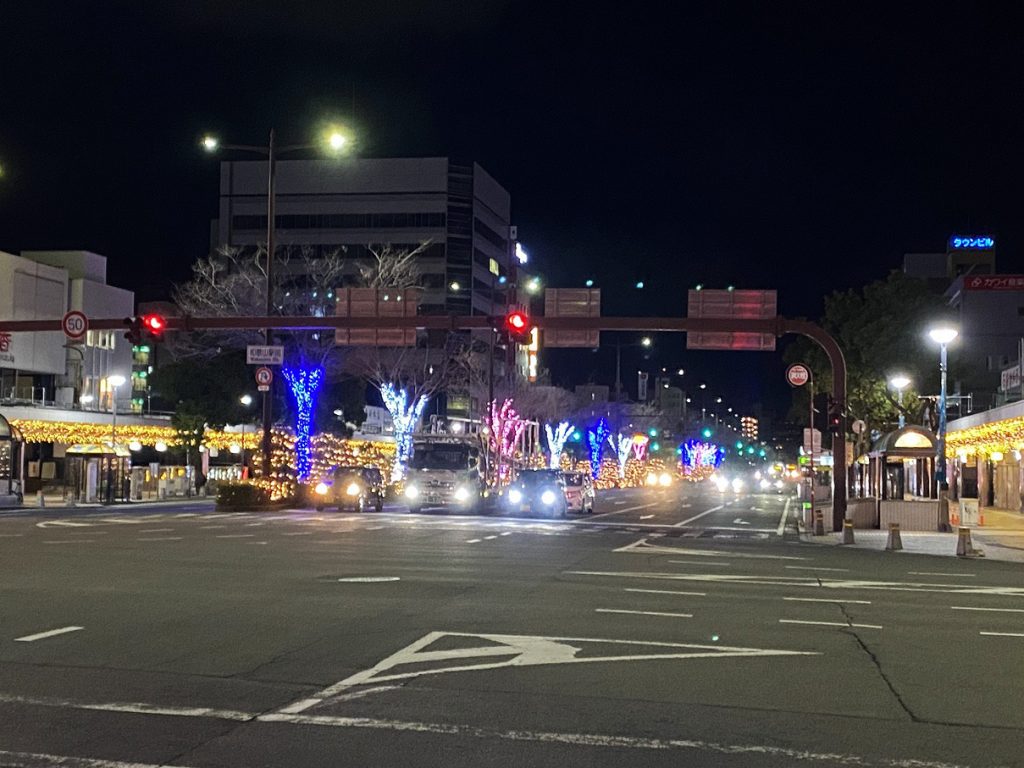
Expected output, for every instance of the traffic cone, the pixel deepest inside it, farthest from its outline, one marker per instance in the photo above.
(895, 543)
(819, 523)
(847, 532)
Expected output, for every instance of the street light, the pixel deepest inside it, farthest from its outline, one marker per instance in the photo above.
(900, 382)
(335, 139)
(942, 336)
(245, 400)
(646, 342)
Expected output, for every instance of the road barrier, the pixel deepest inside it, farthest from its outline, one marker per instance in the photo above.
(894, 543)
(847, 532)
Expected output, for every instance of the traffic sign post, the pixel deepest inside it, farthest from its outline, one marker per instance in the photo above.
(75, 325)
(264, 376)
(264, 355)
(798, 374)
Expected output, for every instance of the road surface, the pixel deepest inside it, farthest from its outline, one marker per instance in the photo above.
(669, 628)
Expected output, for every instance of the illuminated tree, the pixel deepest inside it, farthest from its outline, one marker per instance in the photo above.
(556, 441)
(505, 427)
(405, 414)
(303, 384)
(640, 443)
(596, 437)
(623, 446)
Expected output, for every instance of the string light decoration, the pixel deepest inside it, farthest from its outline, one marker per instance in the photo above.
(595, 441)
(1001, 436)
(640, 443)
(303, 383)
(505, 427)
(72, 433)
(623, 447)
(405, 416)
(699, 459)
(556, 441)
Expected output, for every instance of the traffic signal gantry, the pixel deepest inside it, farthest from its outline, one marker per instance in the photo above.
(579, 324)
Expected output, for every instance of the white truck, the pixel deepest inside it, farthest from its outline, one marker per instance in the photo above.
(445, 473)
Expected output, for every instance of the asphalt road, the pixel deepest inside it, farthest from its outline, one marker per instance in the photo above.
(669, 628)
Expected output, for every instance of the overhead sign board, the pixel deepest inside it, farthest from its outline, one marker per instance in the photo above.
(572, 302)
(972, 242)
(257, 355)
(734, 305)
(994, 283)
(75, 325)
(812, 440)
(798, 374)
(381, 303)
(1010, 379)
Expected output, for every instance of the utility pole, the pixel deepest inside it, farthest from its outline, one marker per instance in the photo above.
(268, 396)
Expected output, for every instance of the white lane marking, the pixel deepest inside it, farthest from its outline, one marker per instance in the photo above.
(826, 600)
(364, 692)
(506, 533)
(256, 543)
(784, 755)
(473, 541)
(1000, 610)
(520, 651)
(815, 568)
(368, 579)
(159, 538)
(236, 536)
(740, 521)
(488, 538)
(646, 517)
(1002, 634)
(620, 511)
(798, 581)
(70, 541)
(156, 530)
(830, 624)
(643, 547)
(48, 633)
(700, 562)
(782, 520)
(681, 523)
(666, 592)
(644, 613)
(38, 759)
(10, 535)
(298, 533)
(135, 708)
(932, 573)
(62, 524)
(210, 527)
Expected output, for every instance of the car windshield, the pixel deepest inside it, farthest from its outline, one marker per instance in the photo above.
(574, 479)
(452, 457)
(539, 476)
(348, 472)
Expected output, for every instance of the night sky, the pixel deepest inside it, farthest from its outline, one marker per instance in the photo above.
(802, 146)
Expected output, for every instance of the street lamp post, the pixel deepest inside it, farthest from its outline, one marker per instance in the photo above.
(245, 400)
(113, 382)
(942, 336)
(899, 383)
(646, 342)
(336, 141)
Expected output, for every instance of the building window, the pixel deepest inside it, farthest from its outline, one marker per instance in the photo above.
(399, 220)
(489, 235)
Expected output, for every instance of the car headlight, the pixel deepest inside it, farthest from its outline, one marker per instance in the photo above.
(721, 483)
(462, 493)
(515, 496)
(652, 479)
(765, 485)
(547, 498)
(412, 492)
(322, 488)
(353, 489)
(737, 485)
(778, 483)
(664, 479)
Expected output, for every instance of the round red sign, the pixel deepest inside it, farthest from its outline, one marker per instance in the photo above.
(798, 374)
(264, 375)
(75, 324)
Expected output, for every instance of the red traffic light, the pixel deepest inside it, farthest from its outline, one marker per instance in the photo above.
(155, 324)
(518, 326)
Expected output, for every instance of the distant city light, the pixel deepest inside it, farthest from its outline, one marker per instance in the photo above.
(639, 285)
(589, 283)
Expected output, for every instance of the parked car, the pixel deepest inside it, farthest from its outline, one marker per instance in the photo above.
(537, 491)
(579, 492)
(355, 488)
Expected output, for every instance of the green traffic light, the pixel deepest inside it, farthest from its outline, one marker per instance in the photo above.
(652, 432)
(706, 432)
(739, 445)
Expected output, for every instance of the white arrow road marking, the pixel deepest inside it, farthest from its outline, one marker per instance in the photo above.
(518, 651)
(830, 624)
(740, 521)
(62, 524)
(644, 547)
(796, 581)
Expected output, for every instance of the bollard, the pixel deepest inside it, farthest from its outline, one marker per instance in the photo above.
(895, 543)
(70, 501)
(40, 502)
(819, 523)
(847, 532)
(964, 546)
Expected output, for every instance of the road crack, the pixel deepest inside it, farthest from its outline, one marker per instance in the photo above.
(878, 665)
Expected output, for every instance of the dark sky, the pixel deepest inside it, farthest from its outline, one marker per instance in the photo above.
(799, 145)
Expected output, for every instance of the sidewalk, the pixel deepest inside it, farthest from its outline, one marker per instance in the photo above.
(1001, 538)
(57, 501)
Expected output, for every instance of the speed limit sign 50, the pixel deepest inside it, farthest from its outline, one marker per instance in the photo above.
(798, 374)
(74, 324)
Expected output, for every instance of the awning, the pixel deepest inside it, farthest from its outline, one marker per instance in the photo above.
(98, 449)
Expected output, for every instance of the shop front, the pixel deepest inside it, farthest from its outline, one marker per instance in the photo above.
(12, 452)
(97, 472)
(894, 482)
(984, 450)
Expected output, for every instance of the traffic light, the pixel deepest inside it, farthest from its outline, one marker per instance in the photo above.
(150, 325)
(517, 324)
(835, 417)
(154, 324)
